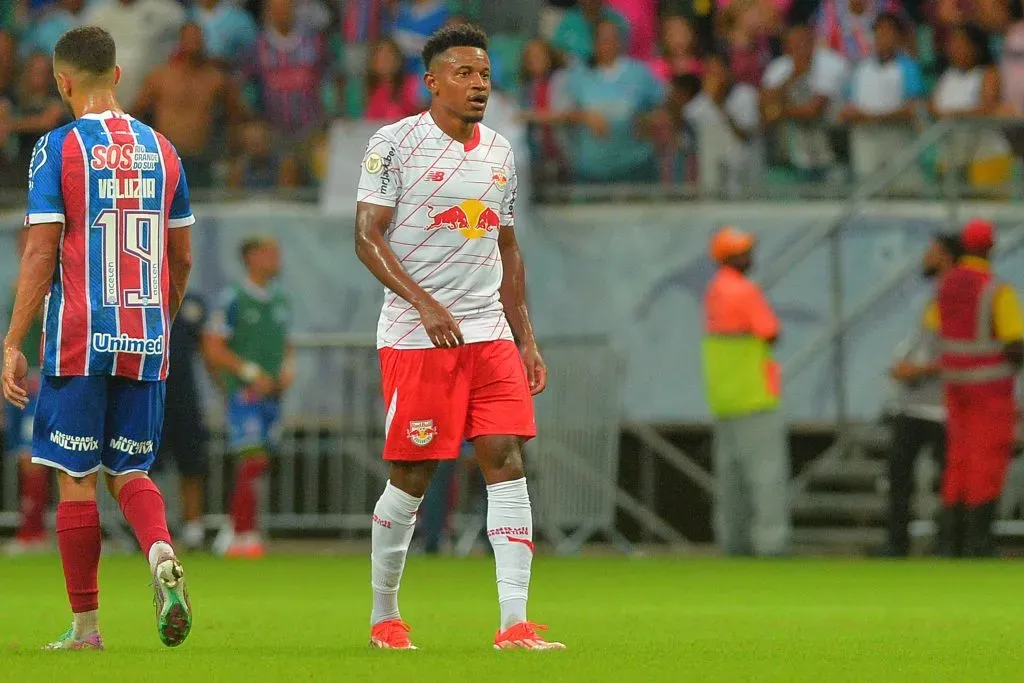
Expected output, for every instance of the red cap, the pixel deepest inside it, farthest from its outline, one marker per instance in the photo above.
(728, 242)
(978, 235)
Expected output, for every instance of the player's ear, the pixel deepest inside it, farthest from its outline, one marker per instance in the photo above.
(117, 74)
(430, 80)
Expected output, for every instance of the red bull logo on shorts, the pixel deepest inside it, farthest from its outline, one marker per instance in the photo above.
(472, 218)
(421, 432)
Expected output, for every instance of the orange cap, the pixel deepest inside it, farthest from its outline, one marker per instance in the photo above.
(978, 235)
(728, 242)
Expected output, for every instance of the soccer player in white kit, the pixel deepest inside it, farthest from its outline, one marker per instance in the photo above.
(434, 223)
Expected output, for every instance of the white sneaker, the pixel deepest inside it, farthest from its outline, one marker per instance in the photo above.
(193, 535)
(224, 540)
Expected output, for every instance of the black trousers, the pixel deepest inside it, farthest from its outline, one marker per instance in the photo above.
(910, 436)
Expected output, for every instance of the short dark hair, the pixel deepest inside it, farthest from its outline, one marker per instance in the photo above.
(252, 243)
(892, 19)
(89, 49)
(951, 243)
(687, 84)
(458, 35)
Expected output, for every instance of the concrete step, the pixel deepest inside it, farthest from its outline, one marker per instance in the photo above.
(854, 476)
(835, 537)
(862, 509)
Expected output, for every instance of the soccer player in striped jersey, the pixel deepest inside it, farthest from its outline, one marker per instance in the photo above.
(108, 257)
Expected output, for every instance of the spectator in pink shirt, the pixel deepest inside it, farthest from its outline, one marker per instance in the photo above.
(680, 50)
(748, 27)
(391, 94)
(642, 17)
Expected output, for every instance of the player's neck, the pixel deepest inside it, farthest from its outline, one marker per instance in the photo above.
(97, 102)
(258, 279)
(453, 127)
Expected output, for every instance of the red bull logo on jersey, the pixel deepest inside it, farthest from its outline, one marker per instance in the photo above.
(499, 176)
(472, 218)
(123, 158)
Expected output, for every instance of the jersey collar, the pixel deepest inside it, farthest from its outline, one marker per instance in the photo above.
(257, 292)
(470, 144)
(108, 114)
(976, 263)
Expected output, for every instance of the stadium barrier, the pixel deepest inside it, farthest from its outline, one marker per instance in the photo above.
(328, 472)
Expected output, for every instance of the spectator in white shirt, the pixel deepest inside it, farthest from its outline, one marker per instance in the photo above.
(885, 96)
(801, 89)
(146, 32)
(727, 123)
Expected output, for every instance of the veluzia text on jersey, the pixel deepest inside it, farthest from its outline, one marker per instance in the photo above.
(127, 188)
(104, 342)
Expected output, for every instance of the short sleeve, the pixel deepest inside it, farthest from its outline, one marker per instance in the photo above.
(508, 201)
(221, 321)
(380, 179)
(777, 72)
(45, 198)
(180, 215)
(1009, 323)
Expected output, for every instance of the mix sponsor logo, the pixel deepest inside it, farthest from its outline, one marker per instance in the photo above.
(123, 158)
(472, 219)
(104, 342)
(130, 446)
(69, 442)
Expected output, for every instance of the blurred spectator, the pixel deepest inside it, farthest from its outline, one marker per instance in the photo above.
(145, 31)
(642, 18)
(8, 63)
(886, 92)
(260, 167)
(747, 27)
(680, 50)
(228, 30)
(416, 21)
(290, 65)
(1012, 71)
(576, 33)
(970, 87)
(726, 120)
(57, 20)
(536, 89)
(312, 15)
(702, 17)
(182, 100)
(614, 100)
(363, 23)
(385, 92)
(847, 26)
(798, 91)
(36, 108)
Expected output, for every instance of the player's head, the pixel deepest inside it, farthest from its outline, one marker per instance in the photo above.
(261, 256)
(733, 248)
(84, 61)
(191, 43)
(458, 71)
(943, 252)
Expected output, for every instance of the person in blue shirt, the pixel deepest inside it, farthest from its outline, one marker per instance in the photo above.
(575, 35)
(228, 29)
(612, 100)
(47, 30)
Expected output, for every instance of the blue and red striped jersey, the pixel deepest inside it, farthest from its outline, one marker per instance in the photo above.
(117, 186)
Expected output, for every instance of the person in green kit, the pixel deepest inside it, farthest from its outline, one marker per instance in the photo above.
(247, 345)
(33, 480)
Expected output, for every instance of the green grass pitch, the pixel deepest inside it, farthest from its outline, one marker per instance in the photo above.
(299, 618)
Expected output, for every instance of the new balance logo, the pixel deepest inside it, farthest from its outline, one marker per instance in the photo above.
(81, 444)
(131, 447)
(435, 176)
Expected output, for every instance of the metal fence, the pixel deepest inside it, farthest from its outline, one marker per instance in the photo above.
(328, 472)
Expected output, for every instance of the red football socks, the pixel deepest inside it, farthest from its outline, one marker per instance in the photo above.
(143, 508)
(245, 498)
(35, 494)
(79, 539)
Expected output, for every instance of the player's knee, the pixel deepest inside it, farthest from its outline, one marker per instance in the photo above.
(413, 477)
(74, 489)
(500, 458)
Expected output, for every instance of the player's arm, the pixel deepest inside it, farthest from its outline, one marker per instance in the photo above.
(379, 188)
(34, 279)
(513, 290)
(221, 358)
(179, 241)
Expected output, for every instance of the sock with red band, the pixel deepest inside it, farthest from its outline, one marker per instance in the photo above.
(245, 498)
(79, 538)
(510, 530)
(143, 509)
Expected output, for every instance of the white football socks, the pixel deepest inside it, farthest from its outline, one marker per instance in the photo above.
(159, 550)
(510, 530)
(85, 623)
(394, 520)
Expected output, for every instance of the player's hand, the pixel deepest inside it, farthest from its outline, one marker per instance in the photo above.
(285, 378)
(905, 372)
(441, 327)
(15, 376)
(262, 386)
(536, 371)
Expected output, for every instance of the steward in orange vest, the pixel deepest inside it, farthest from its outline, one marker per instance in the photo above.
(981, 347)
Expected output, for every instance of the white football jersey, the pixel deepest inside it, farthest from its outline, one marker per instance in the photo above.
(450, 199)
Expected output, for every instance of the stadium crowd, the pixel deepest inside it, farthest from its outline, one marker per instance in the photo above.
(712, 92)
